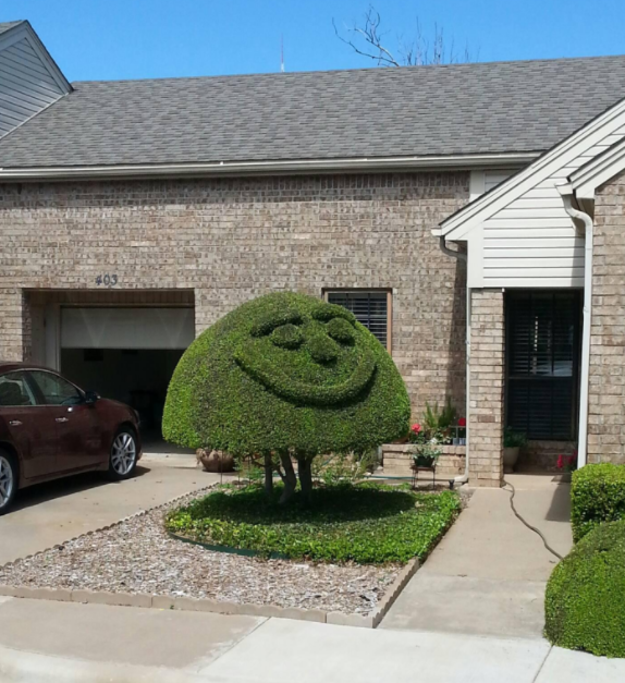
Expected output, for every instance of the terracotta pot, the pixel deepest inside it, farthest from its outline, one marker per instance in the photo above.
(215, 461)
(510, 457)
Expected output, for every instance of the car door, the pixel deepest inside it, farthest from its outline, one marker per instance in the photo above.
(27, 426)
(78, 427)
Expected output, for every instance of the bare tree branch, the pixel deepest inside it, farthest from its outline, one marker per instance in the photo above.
(369, 33)
(369, 42)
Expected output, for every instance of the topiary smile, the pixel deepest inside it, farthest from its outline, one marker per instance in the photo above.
(270, 373)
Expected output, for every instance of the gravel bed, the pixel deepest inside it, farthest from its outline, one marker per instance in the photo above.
(138, 556)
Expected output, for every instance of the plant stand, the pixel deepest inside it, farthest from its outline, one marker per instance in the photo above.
(422, 468)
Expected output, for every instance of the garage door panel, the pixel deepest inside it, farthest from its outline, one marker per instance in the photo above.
(127, 328)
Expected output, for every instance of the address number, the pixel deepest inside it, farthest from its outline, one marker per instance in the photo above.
(106, 280)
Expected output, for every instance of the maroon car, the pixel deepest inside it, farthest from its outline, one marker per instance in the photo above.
(50, 428)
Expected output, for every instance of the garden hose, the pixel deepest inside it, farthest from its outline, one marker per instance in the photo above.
(527, 524)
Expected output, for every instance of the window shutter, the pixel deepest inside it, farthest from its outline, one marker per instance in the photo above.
(370, 309)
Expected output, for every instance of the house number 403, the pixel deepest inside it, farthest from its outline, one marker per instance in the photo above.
(106, 280)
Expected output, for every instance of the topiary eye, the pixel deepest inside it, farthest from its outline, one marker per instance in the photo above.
(287, 336)
(340, 330)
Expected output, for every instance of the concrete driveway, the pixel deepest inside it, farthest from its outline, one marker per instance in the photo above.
(55, 512)
(489, 573)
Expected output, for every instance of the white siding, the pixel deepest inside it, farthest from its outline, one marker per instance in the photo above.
(26, 84)
(483, 181)
(493, 178)
(532, 242)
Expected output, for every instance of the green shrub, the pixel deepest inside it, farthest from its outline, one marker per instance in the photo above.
(289, 336)
(585, 598)
(286, 373)
(512, 439)
(366, 523)
(597, 495)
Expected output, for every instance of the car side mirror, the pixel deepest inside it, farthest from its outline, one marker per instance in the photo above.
(91, 397)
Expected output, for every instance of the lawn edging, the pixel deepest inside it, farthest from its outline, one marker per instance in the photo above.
(145, 600)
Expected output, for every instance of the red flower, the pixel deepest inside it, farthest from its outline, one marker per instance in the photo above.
(462, 422)
(560, 463)
(415, 428)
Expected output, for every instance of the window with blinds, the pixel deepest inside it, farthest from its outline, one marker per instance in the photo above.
(543, 331)
(370, 309)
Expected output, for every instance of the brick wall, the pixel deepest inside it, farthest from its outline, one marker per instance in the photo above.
(398, 459)
(230, 240)
(606, 421)
(486, 416)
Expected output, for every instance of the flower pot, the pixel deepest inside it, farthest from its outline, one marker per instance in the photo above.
(510, 457)
(424, 461)
(215, 461)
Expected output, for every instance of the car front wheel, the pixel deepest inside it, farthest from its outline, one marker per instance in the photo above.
(8, 481)
(123, 458)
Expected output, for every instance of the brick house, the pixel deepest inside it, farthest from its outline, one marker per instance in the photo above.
(134, 214)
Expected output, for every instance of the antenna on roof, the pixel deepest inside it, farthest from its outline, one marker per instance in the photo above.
(282, 53)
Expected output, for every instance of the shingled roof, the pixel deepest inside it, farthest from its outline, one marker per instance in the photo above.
(462, 109)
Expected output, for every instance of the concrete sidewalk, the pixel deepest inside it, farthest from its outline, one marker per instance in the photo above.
(488, 574)
(124, 644)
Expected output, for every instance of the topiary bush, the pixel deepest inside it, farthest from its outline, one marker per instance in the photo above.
(597, 495)
(585, 598)
(286, 375)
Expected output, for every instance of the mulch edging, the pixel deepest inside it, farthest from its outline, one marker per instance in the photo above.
(372, 620)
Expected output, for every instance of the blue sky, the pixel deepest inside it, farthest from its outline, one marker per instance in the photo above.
(116, 39)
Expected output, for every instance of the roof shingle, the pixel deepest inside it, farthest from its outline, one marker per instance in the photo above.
(410, 111)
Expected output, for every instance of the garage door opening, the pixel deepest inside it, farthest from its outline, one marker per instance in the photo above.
(126, 353)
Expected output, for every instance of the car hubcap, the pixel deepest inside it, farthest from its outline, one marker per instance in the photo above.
(6, 481)
(123, 453)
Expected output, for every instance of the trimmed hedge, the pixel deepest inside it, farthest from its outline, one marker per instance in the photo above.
(597, 495)
(286, 373)
(367, 523)
(585, 598)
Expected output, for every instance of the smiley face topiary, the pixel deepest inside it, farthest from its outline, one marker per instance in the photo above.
(286, 374)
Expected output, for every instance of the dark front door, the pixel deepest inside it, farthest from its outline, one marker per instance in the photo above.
(543, 337)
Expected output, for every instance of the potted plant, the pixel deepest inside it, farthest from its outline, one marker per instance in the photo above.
(426, 447)
(567, 464)
(512, 444)
(438, 422)
(461, 431)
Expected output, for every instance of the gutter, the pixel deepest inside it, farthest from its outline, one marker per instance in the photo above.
(463, 478)
(567, 193)
(227, 168)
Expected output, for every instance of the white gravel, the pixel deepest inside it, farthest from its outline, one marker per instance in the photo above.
(138, 556)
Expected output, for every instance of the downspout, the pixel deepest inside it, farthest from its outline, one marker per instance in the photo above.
(567, 196)
(463, 478)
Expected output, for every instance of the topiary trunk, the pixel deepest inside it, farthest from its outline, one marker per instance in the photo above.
(304, 469)
(290, 480)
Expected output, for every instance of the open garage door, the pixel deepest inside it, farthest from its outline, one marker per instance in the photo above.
(127, 328)
(126, 353)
